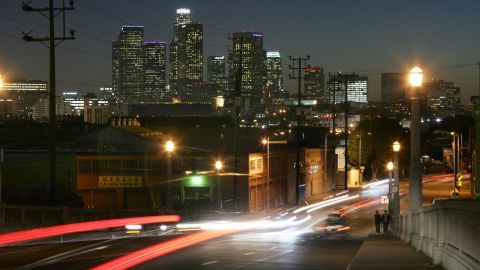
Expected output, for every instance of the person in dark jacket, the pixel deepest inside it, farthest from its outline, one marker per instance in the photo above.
(378, 220)
(385, 221)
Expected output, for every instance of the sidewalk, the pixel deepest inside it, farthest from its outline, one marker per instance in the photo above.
(385, 251)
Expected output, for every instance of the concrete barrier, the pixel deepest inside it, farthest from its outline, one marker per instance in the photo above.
(447, 231)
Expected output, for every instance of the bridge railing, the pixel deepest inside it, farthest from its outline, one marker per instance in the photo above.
(447, 231)
(33, 216)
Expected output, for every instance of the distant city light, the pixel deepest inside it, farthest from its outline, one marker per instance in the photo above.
(183, 11)
(257, 35)
(273, 54)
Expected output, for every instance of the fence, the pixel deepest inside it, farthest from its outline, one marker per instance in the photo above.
(447, 231)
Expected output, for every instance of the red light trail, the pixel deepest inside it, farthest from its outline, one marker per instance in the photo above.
(21, 236)
(157, 250)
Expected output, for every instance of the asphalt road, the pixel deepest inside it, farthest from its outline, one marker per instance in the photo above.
(294, 247)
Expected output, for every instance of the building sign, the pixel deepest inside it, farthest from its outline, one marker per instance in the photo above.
(255, 165)
(105, 181)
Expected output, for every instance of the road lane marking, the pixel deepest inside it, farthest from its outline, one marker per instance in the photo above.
(211, 262)
(273, 247)
(276, 255)
(250, 253)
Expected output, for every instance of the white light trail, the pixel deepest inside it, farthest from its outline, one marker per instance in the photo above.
(332, 203)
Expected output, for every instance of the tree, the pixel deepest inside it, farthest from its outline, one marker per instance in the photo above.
(378, 135)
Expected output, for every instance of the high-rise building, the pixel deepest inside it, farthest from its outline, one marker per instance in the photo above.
(394, 86)
(274, 81)
(440, 95)
(127, 64)
(356, 85)
(186, 55)
(216, 75)
(154, 70)
(314, 82)
(247, 69)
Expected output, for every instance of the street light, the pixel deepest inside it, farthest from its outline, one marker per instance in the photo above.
(396, 182)
(218, 168)
(415, 177)
(396, 146)
(169, 148)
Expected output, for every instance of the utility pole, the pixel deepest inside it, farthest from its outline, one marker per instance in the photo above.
(51, 42)
(298, 64)
(478, 77)
(345, 137)
(237, 103)
(334, 101)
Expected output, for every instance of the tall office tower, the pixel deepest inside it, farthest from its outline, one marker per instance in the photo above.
(186, 55)
(154, 71)
(216, 75)
(394, 86)
(441, 96)
(247, 69)
(274, 81)
(127, 64)
(357, 88)
(314, 82)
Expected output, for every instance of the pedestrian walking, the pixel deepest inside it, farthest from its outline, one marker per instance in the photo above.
(385, 221)
(378, 220)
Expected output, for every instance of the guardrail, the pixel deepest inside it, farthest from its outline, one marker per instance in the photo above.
(30, 216)
(447, 231)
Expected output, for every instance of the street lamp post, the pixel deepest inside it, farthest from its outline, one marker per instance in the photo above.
(360, 159)
(396, 182)
(218, 167)
(169, 148)
(415, 177)
(390, 194)
(267, 143)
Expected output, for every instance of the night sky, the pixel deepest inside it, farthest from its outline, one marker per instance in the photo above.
(367, 37)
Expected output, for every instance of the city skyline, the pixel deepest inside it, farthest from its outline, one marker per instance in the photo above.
(402, 39)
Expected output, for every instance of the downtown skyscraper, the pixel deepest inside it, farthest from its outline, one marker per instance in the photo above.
(154, 70)
(314, 82)
(127, 64)
(274, 80)
(186, 55)
(216, 75)
(247, 70)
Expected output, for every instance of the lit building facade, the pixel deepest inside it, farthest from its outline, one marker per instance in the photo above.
(154, 70)
(356, 86)
(216, 75)
(186, 55)
(24, 85)
(127, 64)
(441, 95)
(247, 69)
(21, 95)
(274, 81)
(314, 82)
